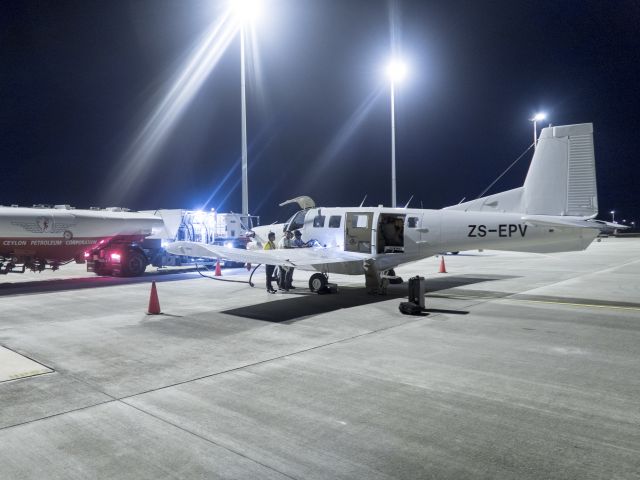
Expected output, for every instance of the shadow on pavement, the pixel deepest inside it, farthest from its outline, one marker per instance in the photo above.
(65, 284)
(297, 306)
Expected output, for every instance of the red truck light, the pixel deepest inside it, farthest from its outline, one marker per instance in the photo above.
(115, 257)
(87, 254)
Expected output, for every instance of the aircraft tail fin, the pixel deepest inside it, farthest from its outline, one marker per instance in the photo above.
(561, 178)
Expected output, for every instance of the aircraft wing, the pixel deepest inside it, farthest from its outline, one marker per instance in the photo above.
(289, 257)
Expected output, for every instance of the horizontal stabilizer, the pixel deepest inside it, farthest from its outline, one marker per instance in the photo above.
(560, 221)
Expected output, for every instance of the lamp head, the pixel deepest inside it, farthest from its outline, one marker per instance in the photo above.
(538, 117)
(396, 70)
(247, 11)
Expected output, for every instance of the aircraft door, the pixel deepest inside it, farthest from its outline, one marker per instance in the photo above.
(415, 232)
(358, 232)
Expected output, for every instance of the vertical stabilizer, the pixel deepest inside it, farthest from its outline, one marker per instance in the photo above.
(562, 177)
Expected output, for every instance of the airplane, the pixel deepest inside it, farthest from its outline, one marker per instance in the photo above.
(554, 211)
(40, 237)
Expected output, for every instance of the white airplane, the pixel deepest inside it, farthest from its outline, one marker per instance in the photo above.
(553, 211)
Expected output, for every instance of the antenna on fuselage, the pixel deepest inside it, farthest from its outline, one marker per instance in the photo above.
(362, 202)
(408, 202)
(463, 199)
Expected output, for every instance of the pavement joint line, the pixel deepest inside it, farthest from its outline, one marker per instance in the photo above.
(58, 414)
(202, 437)
(495, 400)
(279, 357)
(28, 357)
(510, 296)
(117, 400)
(122, 399)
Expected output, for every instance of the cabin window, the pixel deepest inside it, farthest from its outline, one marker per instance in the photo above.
(412, 222)
(360, 221)
(318, 221)
(334, 221)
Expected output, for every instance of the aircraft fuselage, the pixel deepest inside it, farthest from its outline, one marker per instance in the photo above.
(395, 236)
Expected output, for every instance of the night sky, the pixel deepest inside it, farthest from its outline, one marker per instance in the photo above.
(79, 80)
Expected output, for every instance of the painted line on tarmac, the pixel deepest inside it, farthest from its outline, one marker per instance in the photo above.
(571, 304)
(532, 300)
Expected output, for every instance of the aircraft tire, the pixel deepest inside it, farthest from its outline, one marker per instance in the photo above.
(317, 282)
(134, 264)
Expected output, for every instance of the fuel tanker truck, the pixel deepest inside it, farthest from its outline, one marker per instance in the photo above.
(127, 256)
(39, 237)
(112, 241)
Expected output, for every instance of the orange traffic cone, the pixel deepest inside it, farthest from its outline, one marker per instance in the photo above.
(443, 269)
(218, 270)
(154, 303)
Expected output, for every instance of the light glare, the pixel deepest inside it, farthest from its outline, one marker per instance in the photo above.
(538, 117)
(397, 70)
(247, 11)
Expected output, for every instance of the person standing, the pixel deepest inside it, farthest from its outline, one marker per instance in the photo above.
(286, 273)
(270, 245)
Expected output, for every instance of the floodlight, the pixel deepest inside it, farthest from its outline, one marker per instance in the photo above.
(247, 11)
(397, 70)
(538, 117)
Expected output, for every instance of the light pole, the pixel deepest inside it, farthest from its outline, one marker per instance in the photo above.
(247, 11)
(613, 216)
(538, 117)
(243, 103)
(396, 70)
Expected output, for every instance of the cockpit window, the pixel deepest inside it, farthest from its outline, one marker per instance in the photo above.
(334, 221)
(318, 221)
(412, 222)
(297, 222)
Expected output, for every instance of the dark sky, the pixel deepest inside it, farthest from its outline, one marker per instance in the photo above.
(79, 79)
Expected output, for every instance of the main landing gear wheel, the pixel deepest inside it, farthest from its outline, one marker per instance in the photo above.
(317, 282)
(394, 281)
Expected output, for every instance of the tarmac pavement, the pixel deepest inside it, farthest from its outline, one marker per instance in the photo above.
(524, 366)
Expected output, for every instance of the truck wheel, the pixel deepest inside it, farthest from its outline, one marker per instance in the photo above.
(317, 281)
(134, 264)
